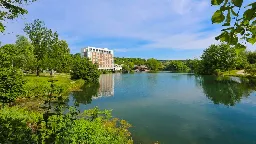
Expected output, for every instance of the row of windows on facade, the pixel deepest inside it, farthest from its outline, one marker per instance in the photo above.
(109, 66)
(101, 51)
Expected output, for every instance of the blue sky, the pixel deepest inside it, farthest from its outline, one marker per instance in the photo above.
(162, 29)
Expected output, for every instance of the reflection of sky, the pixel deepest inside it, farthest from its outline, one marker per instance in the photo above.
(171, 108)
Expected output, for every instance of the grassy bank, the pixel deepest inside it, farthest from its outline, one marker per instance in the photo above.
(40, 86)
(37, 88)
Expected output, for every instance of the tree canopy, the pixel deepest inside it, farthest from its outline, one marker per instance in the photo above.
(221, 57)
(153, 64)
(10, 9)
(238, 19)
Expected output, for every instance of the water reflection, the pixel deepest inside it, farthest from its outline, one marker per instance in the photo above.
(225, 90)
(104, 88)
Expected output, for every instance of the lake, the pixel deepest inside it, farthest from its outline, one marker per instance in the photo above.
(177, 108)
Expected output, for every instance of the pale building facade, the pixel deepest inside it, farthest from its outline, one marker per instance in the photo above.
(117, 67)
(103, 57)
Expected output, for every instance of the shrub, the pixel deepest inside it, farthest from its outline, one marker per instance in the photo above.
(18, 125)
(11, 84)
(93, 126)
(251, 69)
(218, 72)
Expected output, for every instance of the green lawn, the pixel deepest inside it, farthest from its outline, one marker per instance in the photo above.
(39, 86)
(230, 73)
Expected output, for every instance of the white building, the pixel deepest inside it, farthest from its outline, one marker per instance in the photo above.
(101, 56)
(117, 67)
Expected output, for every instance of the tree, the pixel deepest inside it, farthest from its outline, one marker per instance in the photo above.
(8, 56)
(42, 40)
(251, 57)
(126, 68)
(58, 56)
(221, 57)
(153, 64)
(177, 66)
(25, 53)
(238, 20)
(241, 60)
(11, 84)
(84, 69)
(10, 9)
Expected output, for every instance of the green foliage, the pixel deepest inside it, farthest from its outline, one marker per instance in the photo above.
(153, 64)
(40, 87)
(251, 57)
(25, 58)
(126, 68)
(194, 65)
(11, 84)
(251, 69)
(18, 125)
(84, 69)
(177, 66)
(93, 126)
(241, 61)
(42, 39)
(49, 52)
(10, 9)
(135, 61)
(217, 72)
(238, 21)
(220, 57)
(8, 56)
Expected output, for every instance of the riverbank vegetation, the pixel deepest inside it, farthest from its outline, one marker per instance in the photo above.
(36, 75)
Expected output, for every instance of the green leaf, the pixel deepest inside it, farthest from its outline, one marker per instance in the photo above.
(237, 3)
(240, 46)
(228, 19)
(248, 14)
(216, 2)
(1, 27)
(252, 40)
(218, 17)
(254, 22)
(234, 13)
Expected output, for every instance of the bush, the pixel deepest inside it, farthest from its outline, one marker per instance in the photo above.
(251, 69)
(85, 69)
(94, 126)
(18, 125)
(11, 84)
(218, 72)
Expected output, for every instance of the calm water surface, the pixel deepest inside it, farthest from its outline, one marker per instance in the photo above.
(177, 108)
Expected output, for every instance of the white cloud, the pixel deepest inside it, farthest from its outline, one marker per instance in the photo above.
(174, 24)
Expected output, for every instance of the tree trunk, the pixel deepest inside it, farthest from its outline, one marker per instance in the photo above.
(51, 73)
(37, 71)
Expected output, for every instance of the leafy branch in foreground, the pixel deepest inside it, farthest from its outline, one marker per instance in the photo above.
(11, 9)
(238, 20)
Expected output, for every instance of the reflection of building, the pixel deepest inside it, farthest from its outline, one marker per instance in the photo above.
(106, 86)
(101, 56)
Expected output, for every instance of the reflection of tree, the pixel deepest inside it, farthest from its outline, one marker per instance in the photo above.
(224, 90)
(85, 95)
